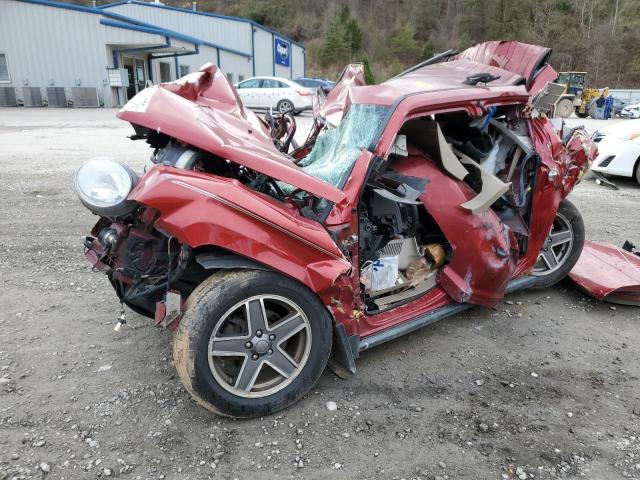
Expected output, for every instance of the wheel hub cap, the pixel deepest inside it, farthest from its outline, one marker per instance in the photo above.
(261, 347)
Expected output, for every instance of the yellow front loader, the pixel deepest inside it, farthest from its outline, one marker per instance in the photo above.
(577, 97)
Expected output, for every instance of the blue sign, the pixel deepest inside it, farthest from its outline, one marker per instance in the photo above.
(282, 52)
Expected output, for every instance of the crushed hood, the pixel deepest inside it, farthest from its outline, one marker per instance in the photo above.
(204, 110)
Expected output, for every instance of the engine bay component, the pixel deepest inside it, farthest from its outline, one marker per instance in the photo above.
(108, 238)
(406, 249)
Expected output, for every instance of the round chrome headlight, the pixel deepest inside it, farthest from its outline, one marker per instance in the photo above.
(103, 185)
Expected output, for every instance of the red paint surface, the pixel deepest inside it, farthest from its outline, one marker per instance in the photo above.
(204, 114)
(608, 273)
(201, 209)
(517, 58)
(483, 257)
(338, 101)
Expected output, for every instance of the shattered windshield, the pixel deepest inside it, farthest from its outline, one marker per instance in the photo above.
(336, 149)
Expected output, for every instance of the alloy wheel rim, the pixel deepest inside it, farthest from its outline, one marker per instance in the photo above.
(259, 346)
(556, 249)
(286, 107)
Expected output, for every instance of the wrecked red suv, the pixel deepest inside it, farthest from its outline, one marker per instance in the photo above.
(441, 188)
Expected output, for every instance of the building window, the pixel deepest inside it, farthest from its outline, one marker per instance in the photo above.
(230, 77)
(165, 72)
(4, 69)
(184, 70)
(240, 78)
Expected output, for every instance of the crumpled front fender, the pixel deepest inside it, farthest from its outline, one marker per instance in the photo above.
(203, 210)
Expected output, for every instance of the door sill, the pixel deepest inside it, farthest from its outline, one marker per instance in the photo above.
(420, 321)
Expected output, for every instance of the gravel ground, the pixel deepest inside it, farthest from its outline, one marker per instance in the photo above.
(544, 386)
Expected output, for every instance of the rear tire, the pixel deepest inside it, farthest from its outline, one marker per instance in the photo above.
(562, 248)
(233, 366)
(637, 170)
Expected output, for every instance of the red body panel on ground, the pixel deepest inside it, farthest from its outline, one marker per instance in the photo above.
(608, 273)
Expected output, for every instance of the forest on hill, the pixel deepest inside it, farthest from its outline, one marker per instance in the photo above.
(600, 37)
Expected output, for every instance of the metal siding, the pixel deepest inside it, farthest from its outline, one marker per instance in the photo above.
(125, 37)
(206, 54)
(45, 43)
(264, 52)
(282, 71)
(231, 63)
(48, 46)
(225, 32)
(297, 59)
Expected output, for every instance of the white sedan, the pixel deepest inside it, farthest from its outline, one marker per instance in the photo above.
(631, 111)
(619, 149)
(281, 94)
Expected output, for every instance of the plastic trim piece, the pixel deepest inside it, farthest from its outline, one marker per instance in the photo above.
(210, 261)
(345, 352)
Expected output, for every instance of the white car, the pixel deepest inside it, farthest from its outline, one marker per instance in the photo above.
(280, 94)
(618, 149)
(631, 111)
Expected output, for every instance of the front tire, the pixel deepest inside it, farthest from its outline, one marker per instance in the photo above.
(251, 343)
(562, 248)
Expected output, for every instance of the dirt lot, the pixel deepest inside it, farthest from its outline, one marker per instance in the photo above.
(545, 386)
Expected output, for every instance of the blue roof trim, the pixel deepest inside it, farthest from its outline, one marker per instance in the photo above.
(128, 21)
(206, 14)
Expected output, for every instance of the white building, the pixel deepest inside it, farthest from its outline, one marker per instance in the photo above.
(61, 54)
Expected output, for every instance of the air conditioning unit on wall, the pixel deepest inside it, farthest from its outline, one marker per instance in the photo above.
(8, 97)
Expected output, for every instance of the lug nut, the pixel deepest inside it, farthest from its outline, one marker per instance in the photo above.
(254, 356)
(270, 352)
(248, 345)
(272, 337)
(258, 333)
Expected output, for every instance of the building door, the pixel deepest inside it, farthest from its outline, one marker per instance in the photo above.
(165, 72)
(127, 63)
(141, 76)
(137, 73)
